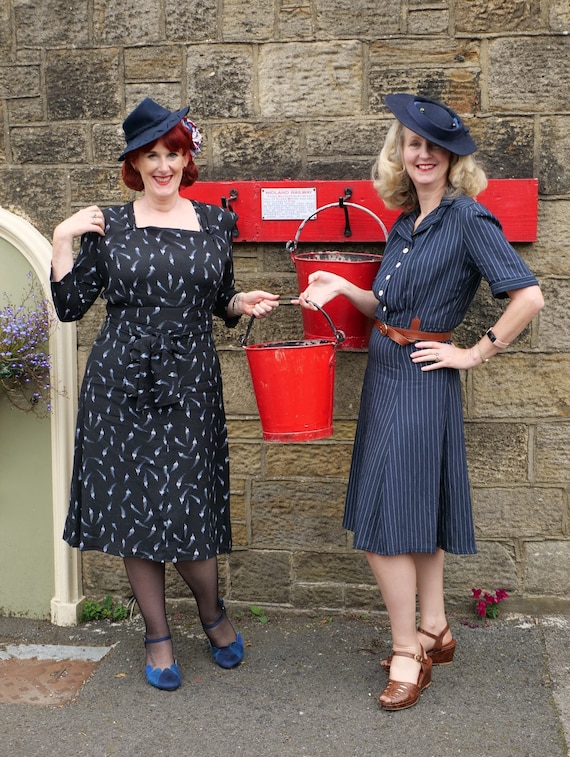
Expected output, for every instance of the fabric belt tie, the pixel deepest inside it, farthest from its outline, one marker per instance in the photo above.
(152, 376)
(408, 336)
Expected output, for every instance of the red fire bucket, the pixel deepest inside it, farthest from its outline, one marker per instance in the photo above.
(293, 382)
(358, 268)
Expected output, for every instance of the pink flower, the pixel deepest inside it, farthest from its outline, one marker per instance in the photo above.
(481, 608)
(501, 594)
(476, 593)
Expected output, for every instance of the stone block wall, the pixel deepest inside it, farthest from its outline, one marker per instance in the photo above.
(284, 89)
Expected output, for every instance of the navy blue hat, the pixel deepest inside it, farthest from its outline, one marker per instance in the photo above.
(148, 122)
(433, 121)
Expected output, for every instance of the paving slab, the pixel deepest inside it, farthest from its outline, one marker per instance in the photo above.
(308, 688)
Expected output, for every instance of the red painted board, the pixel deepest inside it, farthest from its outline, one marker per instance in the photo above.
(513, 201)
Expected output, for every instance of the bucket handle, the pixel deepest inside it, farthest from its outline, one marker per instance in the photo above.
(291, 246)
(339, 335)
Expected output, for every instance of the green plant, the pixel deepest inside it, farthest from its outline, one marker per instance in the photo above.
(259, 613)
(108, 610)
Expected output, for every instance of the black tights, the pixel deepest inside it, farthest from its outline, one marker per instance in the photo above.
(201, 576)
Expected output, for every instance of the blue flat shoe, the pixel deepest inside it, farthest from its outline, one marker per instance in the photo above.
(232, 655)
(167, 679)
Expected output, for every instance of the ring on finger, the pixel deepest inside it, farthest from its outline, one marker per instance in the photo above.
(436, 357)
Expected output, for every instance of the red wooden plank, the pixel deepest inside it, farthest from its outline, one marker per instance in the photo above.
(513, 201)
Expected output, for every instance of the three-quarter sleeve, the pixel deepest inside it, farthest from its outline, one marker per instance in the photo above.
(74, 294)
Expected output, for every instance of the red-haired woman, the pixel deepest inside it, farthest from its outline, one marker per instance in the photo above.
(150, 480)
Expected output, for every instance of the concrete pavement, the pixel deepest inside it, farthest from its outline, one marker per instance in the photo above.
(308, 688)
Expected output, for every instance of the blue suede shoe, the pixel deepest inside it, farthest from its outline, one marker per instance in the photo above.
(232, 655)
(166, 679)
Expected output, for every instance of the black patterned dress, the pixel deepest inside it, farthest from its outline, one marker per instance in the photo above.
(151, 474)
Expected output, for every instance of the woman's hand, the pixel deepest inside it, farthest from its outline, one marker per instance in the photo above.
(86, 219)
(434, 355)
(257, 303)
(323, 287)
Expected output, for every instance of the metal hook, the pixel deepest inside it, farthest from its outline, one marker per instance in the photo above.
(226, 204)
(341, 200)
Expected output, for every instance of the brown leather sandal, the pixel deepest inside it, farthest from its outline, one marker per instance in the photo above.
(439, 654)
(403, 694)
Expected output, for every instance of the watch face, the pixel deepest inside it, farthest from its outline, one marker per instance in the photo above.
(491, 336)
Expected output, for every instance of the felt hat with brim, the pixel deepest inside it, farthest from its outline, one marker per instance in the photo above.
(148, 122)
(433, 121)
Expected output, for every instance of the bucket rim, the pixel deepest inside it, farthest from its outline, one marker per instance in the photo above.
(364, 257)
(292, 344)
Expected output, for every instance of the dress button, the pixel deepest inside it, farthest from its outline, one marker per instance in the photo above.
(388, 277)
(406, 249)
(398, 265)
(384, 309)
(380, 292)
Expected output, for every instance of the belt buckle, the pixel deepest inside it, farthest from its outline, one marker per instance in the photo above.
(383, 328)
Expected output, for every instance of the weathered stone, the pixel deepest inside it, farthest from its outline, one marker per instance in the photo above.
(319, 567)
(59, 22)
(517, 512)
(19, 81)
(493, 567)
(99, 185)
(23, 192)
(500, 16)
(220, 81)
(428, 21)
(547, 568)
(261, 576)
(300, 80)
(108, 143)
(555, 155)
(322, 596)
(82, 84)
(311, 459)
(513, 81)
(449, 72)
(126, 23)
(357, 19)
(61, 144)
(297, 514)
(200, 25)
(552, 452)
(102, 575)
(506, 146)
(551, 253)
(163, 62)
(512, 386)
(559, 16)
(256, 152)
(497, 453)
(551, 337)
(247, 22)
(295, 19)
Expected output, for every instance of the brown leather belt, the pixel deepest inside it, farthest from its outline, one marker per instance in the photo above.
(408, 336)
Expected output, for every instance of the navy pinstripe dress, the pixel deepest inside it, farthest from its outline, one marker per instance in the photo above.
(150, 476)
(408, 488)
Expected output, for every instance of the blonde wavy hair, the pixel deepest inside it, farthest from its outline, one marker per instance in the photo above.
(395, 187)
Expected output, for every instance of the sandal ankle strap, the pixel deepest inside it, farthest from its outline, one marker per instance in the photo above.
(416, 657)
(217, 622)
(437, 637)
(156, 641)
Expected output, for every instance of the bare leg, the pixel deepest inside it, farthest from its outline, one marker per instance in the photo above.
(396, 579)
(201, 577)
(429, 572)
(147, 582)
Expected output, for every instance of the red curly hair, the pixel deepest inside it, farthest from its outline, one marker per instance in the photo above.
(178, 139)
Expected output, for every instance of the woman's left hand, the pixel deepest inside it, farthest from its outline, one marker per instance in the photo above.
(257, 303)
(434, 355)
